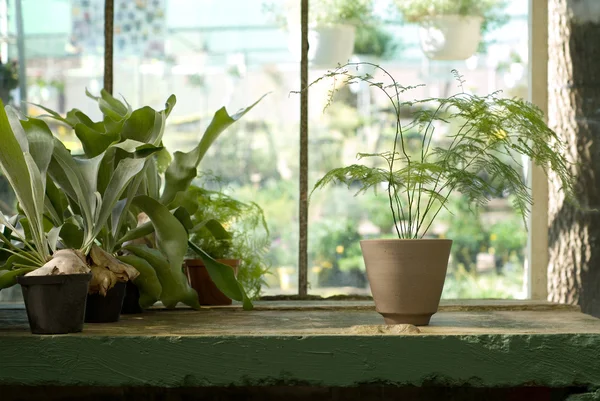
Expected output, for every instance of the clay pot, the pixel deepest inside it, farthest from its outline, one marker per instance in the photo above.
(406, 277)
(208, 293)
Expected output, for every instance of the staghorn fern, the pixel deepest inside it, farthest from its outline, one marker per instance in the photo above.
(491, 131)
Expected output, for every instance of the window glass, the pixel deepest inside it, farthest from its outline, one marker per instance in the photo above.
(229, 53)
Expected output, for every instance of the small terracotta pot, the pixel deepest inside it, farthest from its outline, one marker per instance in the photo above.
(406, 277)
(208, 293)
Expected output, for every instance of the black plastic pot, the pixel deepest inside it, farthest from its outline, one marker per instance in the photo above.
(131, 303)
(55, 304)
(106, 309)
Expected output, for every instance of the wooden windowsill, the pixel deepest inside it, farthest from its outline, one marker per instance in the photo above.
(318, 343)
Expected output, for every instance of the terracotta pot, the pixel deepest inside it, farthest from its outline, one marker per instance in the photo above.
(450, 37)
(208, 293)
(406, 277)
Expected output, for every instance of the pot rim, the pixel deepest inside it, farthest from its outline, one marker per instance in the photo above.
(451, 17)
(55, 279)
(407, 240)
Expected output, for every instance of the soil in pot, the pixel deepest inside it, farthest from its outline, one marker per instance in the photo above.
(406, 277)
(106, 309)
(55, 304)
(208, 293)
(131, 302)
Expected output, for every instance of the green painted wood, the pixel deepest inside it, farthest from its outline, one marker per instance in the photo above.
(228, 347)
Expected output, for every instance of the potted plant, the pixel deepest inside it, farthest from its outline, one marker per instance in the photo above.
(150, 231)
(242, 245)
(452, 30)
(332, 25)
(50, 249)
(406, 274)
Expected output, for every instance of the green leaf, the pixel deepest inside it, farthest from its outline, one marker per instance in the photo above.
(147, 282)
(56, 201)
(94, 142)
(78, 178)
(8, 278)
(184, 167)
(217, 230)
(53, 114)
(71, 235)
(124, 173)
(138, 232)
(169, 105)
(223, 277)
(16, 168)
(175, 286)
(171, 237)
(41, 142)
(184, 218)
(144, 125)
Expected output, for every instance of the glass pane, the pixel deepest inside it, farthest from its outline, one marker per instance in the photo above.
(212, 54)
(488, 252)
(60, 56)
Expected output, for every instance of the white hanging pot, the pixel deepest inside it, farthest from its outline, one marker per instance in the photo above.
(450, 37)
(328, 45)
(364, 69)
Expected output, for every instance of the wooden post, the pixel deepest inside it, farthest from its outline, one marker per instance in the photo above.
(303, 204)
(109, 9)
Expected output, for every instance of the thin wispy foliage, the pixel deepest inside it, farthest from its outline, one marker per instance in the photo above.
(478, 160)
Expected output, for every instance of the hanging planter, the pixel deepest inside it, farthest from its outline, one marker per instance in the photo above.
(332, 28)
(452, 30)
(450, 37)
(330, 45)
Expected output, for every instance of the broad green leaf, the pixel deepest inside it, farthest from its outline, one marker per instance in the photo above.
(114, 104)
(140, 231)
(184, 218)
(71, 235)
(8, 278)
(53, 114)
(144, 125)
(27, 259)
(171, 238)
(15, 117)
(56, 201)
(187, 199)
(184, 167)
(39, 194)
(152, 179)
(147, 282)
(110, 107)
(223, 277)
(94, 142)
(53, 235)
(78, 178)
(217, 230)
(170, 233)
(163, 159)
(169, 105)
(16, 169)
(175, 285)
(41, 142)
(124, 173)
